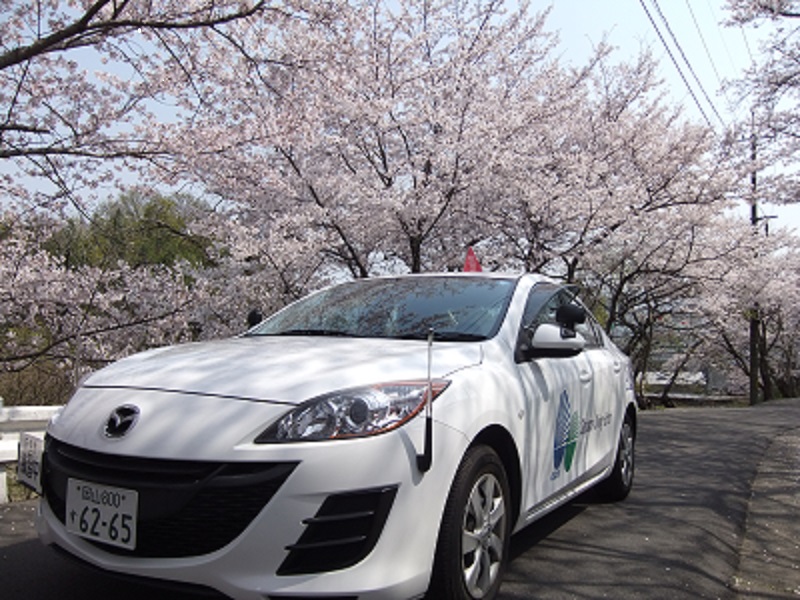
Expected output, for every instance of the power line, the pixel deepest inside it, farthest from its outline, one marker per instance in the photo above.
(688, 63)
(675, 62)
(734, 105)
(721, 86)
(703, 40)
(747, 44)
(722, 37)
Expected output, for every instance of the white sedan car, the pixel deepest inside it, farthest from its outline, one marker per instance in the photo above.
(378, 439)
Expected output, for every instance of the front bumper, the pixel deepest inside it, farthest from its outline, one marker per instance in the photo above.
(347, 518)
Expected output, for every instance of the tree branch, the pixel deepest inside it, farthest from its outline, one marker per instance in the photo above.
(83, 31)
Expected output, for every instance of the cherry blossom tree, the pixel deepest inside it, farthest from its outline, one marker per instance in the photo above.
(71, 309)
(771, 87)
(79, 79)
(378, 132)
(81, 84)
(765, 276)
(348, 139)
(75, 316)
(744, 11)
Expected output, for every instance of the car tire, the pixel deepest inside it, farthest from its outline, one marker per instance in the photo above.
(472, 549)
(618, 485)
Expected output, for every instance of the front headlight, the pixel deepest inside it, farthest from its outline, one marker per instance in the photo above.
(356, 412)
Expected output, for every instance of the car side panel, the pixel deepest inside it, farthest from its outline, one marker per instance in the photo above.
(557, 393)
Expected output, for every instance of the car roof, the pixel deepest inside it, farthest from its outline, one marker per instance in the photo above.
(536, 277)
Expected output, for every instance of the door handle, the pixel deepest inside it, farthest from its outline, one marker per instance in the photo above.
(585, 376)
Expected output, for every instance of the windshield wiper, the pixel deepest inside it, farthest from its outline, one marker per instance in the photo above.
(458, 336)
(444, 336)
(311, 332)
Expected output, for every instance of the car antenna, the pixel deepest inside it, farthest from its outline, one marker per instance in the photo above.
(425, 459)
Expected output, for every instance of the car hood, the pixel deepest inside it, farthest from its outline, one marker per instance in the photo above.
(282, 369)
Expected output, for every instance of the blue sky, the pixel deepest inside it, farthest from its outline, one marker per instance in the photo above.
(692, 29)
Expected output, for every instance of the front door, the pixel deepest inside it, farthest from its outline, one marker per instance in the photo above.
(560, 409)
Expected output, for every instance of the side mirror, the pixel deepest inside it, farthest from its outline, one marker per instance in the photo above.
(553, 337)
(570, 315)
(254, 317)
(550, 341)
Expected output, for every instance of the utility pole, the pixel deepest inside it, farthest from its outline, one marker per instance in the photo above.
(755, 324)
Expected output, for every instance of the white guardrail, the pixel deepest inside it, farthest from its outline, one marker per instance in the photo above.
(14, 421)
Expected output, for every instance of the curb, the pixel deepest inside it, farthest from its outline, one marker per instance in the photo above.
(769, 558)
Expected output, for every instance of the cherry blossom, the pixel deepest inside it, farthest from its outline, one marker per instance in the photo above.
(352, 139)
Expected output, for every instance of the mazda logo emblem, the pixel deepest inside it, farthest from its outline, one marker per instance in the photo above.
(121, 420)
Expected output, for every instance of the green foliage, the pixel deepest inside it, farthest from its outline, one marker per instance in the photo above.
(136, 229)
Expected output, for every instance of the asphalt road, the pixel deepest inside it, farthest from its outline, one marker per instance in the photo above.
(715, 513)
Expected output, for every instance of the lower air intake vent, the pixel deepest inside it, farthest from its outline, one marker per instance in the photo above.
(343, 532)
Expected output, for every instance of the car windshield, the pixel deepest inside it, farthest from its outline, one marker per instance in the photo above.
(455, 308)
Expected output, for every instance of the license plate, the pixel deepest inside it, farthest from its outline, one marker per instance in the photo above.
(102, 513)
(29, 465)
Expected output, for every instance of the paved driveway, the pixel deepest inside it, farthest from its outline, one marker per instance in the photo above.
(715, 513)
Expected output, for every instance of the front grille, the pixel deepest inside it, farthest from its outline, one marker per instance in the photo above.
(186, 508)
(343, 532)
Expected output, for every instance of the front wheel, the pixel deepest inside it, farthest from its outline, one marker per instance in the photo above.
(618, 485)
(473, 539)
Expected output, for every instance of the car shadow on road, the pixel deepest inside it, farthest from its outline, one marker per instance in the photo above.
(532, 535)
(23, 564)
